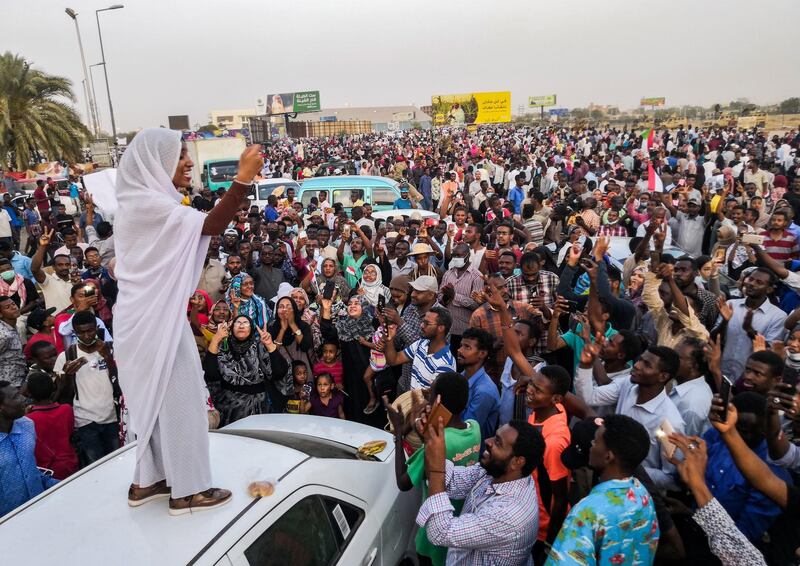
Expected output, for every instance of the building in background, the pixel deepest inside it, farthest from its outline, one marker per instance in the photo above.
(383, 118)
(231, 119)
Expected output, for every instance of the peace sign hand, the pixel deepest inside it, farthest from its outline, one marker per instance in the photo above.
(47, 235)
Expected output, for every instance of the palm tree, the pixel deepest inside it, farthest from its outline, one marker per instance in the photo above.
(35, 115)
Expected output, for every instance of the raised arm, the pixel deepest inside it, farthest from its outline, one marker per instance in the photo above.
(250, 163)
(38, 258)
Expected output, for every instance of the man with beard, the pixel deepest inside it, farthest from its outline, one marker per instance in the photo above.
(620, 445)
(685, 274)
(55, 286)
(500, 517)
(230, 243)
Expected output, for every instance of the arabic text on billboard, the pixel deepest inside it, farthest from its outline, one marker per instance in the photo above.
(471, 108)
(656, 101)
(290, 102)
(539, 101)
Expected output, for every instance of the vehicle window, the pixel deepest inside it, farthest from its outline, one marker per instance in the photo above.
(224, 171)
(384, 197)
(308, 195)
(342, 196)
(312, 533)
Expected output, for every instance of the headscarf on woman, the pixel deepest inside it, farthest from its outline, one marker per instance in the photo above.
(401, 282)
(371, 291)
(252, 307)
(202, 317)
(311, 317)
(349, 329)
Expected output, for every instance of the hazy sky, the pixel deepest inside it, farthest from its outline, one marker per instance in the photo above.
(193, 56)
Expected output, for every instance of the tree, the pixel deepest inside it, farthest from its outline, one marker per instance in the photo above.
(35, 115)
(597, 114)
(790, 106)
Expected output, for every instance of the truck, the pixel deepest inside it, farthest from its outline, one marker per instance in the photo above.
(216, 161)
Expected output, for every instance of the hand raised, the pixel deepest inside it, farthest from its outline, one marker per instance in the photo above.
(250, 164)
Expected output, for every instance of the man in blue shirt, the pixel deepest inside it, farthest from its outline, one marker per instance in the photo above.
(752, 511)
(271, 210)
(484, 399)
(20, 263)
(517, 194)
(20, 479)
(425, 187)
(404, 202)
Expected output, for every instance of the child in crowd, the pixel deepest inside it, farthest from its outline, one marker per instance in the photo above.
(54, 424)
(377, 362)
(330, 363)
(298, 402)
(326, 400)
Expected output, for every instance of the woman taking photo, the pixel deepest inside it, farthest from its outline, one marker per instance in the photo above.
(315, 283)
(310, 316)
(241, 365)
(371, 287)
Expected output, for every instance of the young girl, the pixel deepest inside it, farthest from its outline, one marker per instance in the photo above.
(326, 400)
(377, 362)
(298, 402)
(330, 363)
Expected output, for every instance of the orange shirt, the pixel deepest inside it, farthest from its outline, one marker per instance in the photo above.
(555, 431)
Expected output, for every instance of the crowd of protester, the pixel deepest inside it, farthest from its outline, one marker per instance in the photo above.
(612, 325)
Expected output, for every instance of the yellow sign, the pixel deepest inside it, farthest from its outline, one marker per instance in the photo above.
(539, 101)
(658, 101)
(471, 108)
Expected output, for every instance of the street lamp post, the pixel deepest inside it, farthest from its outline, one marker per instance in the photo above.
(91, 105)
(91, 81)
(105, 68)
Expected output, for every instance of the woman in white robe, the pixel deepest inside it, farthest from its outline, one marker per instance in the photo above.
(160, 247)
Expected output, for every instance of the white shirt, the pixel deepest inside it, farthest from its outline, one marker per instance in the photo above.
(693, 400)
(650, 415)
(5, 224)
(643, 227)
(56, 292)
(94, 395)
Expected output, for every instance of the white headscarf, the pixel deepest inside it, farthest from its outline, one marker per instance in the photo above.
(160, 253)
(373, 290)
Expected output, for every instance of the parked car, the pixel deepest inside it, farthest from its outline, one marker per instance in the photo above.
(329, 506)
(336, 167)
(380, 192)
(265, 187)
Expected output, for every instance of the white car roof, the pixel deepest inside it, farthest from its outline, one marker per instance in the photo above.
(86, 519)
(384, 214)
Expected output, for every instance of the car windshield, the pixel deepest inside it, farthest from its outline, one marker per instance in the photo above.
(224, 171)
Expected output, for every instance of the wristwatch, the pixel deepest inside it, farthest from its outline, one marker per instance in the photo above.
(298, 332)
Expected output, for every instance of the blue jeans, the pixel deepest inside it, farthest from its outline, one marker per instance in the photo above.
(97, 440)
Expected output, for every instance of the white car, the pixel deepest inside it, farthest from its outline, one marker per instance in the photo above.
(405, 212)
(329, 507)
(265, 187)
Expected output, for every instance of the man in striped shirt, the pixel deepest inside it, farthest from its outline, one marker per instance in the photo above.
(779, 243)
(430, 354)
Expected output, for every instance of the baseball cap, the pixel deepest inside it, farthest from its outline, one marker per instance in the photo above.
(576, 455)
(694, 200)
(37, 317)
(425, 283)
(231, 232)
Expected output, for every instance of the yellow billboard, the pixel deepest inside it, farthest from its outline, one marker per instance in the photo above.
(655, 101)
(539, 101)
(471, 108)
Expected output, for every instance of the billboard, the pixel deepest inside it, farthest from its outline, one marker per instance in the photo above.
(558, 111)
(539, 101)
(657, 101)
(290, 102)
(471, 108)
(178, 122)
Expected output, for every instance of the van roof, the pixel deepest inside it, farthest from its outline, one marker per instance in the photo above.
(86, 518)
(347, 181)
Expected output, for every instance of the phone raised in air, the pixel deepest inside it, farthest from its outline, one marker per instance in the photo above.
(725, 394)
(437, 411)
(381, 303)
(327, 291)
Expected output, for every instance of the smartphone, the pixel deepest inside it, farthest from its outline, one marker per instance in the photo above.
(573, 305)
(88, 291)
(790, 375)
(662, 433)
(725, 393)
(381, 304)
(327, 291)
(346, 231)
(437, 411)
(756, 239)
(430, 222)
(719, 255)
(655, 257)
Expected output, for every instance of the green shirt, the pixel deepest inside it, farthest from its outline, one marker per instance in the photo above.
(574, 341)
(353, 275)
(463, 449)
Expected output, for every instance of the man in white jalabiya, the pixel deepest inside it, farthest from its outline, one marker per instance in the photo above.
(161, 246)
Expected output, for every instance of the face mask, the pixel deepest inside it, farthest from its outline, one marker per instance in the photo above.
(82, 343)
(793, 356)
(457, 262)
(8, 276)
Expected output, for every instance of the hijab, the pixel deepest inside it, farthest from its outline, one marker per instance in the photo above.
(17, 286)
(244, 362)
(253, 307)
(375, 289)
(202, 317)
(350, 329)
